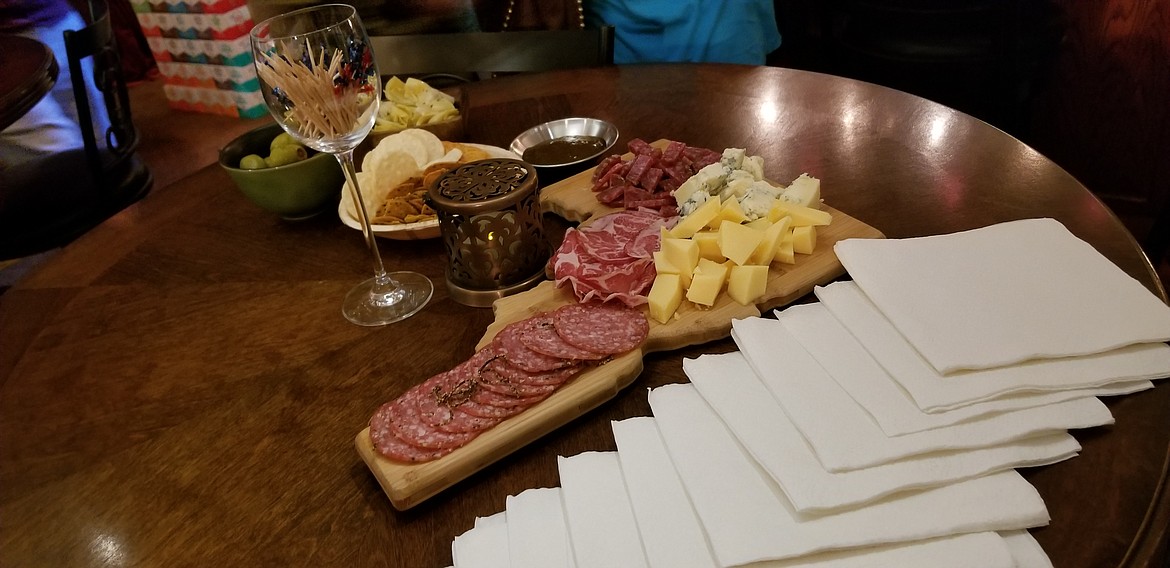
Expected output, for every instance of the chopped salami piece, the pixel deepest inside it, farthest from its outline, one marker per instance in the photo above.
(389, 446)
(605, 328)
(638, 146)
(651, 178)
(543, 338)
(507, 343)
(639, 167)
(673, 152)
(409, 427)
(604, 166)
(670, 211)
(612, 196)
(654, 203)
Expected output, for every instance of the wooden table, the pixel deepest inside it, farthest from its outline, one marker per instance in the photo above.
(30, 70)
(180, 389)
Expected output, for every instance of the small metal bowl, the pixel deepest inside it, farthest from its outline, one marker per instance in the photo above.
(562, 128)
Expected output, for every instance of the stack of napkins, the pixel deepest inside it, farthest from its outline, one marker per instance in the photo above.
(881, 426)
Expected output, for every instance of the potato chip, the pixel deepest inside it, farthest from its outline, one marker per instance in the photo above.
(413, 103)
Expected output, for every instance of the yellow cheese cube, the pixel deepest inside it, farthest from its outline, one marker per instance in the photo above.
(737, 242)
(705, 288)
(698, 219)
(680, 254)
(762, 224)
(766, 250)
(779, 210)
(784, 253)
(745, 284)
(729, 211)
(804, 216)
(804, 239)
(662, 265)
(665, 296)
(708, 266)
(708, 242)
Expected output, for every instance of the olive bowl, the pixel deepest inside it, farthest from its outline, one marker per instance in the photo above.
(294, 191)
(560, 129)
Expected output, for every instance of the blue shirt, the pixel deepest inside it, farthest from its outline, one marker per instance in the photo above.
(730, 31)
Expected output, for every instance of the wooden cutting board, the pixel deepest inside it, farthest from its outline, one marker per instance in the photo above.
(409, 484)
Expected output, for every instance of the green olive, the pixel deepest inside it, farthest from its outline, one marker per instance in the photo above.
(283, 139)
(252, 162)
(283, 155)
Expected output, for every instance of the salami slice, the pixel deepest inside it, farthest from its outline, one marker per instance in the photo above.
(542, 338)
(508, 344)
(389, 446)
(604, 328)
(488, 411)
(492, 381)
(408, 426)
(521, 377)
(461, 422)
(490, 398)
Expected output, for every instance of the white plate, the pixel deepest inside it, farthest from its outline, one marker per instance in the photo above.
(422, 229)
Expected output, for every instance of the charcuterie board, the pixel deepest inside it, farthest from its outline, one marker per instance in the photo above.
(408, 485)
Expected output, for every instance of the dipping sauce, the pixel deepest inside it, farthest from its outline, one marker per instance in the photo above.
(564, 150)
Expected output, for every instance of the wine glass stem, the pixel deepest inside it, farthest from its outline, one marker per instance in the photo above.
(383, 282)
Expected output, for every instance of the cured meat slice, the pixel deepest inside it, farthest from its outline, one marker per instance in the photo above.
(519, 376)
(389, 446)
(606, 328)
(465, 422)
(488, 411)
(408, 426)
(511, 402)
(507, 344)
(494, 382)
(543, 338)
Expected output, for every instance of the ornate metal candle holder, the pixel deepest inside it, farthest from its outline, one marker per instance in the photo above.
(489, 215)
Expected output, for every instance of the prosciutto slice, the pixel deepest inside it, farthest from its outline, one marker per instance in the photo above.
(611, 258)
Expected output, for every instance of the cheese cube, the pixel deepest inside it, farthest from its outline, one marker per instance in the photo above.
(708, 242)
(778, 211)
(804, 239)
(698, 219)
(773, 235)
(804, 216)
(665, 296)
(761, 224)
(729, 211)
(745, 284)
(784, 252)
(804, 191)
(708, 266)
(705, 288)
(680, 254)
(737, 242)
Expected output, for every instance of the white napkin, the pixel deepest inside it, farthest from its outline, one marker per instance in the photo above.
(601, 521)
(1004, 294)
(1120, 371)
(845, 437)
(758, 422)
(1025, 550)
(537, 536)
(671, 533)
(674, 538)
(748, 519)
(847, 361)
(484, 546)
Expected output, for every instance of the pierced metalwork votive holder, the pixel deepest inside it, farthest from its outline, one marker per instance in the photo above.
(490, 219)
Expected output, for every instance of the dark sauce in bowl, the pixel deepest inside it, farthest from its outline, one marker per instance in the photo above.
(564, 150)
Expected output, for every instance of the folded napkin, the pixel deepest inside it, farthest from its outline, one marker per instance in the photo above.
(738, 398)
(484, 546)
(748, 519)
(846, 437)
(673, 536)
(537, 536)
(847, 361)
(601, 522)
(1004, 294)
(1040, 381)
(1025, 550)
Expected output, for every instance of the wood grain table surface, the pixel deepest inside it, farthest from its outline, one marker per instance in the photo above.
(179, 388)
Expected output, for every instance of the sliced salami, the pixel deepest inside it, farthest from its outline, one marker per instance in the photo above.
(521, 377)
(503, 401)
(508, 344)
(542, 337)
(488, 411)
(461, 422)
(492, 381)
(408, 426)
(389, 446)
(605, 328)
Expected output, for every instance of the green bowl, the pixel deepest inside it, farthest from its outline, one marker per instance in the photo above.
(295, 191)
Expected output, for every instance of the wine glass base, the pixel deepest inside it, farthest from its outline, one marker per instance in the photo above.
(364, 306)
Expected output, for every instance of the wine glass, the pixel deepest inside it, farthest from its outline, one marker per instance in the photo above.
(320, 82)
